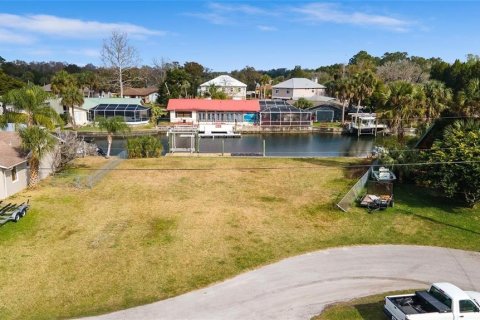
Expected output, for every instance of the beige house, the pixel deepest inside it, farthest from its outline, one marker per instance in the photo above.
(234, 89)
(296, 88)
(13, 165)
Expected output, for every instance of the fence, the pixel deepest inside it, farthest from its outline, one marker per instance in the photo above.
(355, 191)
(88, 182)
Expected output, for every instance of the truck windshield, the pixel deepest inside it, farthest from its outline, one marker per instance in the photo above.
(440, 296)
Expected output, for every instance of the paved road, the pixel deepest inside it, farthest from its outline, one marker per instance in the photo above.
(300, 287)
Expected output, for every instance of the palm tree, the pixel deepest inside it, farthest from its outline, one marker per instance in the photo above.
(112, 125)
(343, 91)
(39, 142)
(62, 80)
(469, 99)
(31, 108)
(365, 83)
(398, 104)
(72, 97)
(264, 81)
(437, 98)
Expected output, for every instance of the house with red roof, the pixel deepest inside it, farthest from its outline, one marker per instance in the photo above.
(204, 111)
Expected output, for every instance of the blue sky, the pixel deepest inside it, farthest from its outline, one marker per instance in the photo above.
(229, 35)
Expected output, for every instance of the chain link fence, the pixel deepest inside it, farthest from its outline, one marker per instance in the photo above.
(353, 194)
(88, 182)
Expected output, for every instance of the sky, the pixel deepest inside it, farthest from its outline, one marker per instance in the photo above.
(229, 35)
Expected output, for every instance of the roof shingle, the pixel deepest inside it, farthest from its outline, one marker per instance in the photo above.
(11, 153)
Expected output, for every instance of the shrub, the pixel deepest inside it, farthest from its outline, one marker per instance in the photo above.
(144, 147)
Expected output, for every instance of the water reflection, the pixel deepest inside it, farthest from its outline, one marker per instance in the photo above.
(276, 145)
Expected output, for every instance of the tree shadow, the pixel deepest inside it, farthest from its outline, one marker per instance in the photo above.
(371, 311)
(418, 197)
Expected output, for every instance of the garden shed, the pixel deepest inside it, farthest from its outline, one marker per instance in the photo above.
(131, 113)
(280, 113)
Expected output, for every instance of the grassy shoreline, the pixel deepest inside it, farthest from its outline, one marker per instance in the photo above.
(157, 228)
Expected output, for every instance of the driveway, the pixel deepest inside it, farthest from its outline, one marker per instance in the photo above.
(300, 287)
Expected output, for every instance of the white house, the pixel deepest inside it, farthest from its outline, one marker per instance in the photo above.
(13, 165)
(296, 88)
(232, 87)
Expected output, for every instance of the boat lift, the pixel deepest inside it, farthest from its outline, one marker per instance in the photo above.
(365, 123)
(13, 212)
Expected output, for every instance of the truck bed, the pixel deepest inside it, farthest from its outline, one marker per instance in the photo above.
(420, 302)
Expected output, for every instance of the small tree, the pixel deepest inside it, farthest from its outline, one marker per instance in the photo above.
(303, 103)
(460, 143)
(120, 56)
(144, 147)
(112, 125)
(39, 142)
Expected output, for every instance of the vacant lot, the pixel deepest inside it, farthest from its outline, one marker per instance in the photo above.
(157, 228)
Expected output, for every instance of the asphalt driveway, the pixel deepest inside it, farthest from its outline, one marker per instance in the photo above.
(301, 286)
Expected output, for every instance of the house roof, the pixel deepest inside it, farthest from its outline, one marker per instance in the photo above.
(142, 92)
(10, 149)
(213, 105)
(279, 106)
(298, 83)
(89, 103)
(224, 81)
(47, 88)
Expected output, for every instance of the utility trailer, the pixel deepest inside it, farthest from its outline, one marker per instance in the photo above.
(12, 212)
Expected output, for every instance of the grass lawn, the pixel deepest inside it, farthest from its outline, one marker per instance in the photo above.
(143, 235)
(367, 308)
(90, 128)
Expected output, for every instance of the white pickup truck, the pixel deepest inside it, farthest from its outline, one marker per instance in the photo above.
(443, 301)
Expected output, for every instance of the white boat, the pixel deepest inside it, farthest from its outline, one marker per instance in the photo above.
(365, 123)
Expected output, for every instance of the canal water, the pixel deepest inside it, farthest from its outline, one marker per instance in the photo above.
(276, 145)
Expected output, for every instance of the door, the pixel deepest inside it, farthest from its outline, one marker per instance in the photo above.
(468, 310)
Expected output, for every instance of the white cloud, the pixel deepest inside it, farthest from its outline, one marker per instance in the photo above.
(227, 14)
(266, 28)
(10, 37)
(213, 18)
(241, 8)
(326, 12)
(70, 28)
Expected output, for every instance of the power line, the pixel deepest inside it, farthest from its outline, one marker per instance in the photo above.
(323, 166)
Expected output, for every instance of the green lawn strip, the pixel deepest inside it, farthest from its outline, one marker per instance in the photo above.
(366, 308)
(158, 230)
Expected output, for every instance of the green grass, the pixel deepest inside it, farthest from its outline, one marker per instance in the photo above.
(327, 124)
(366, 308)
(91, 128)
(146, 234)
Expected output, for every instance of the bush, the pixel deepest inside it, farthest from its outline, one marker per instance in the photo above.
(144, 147)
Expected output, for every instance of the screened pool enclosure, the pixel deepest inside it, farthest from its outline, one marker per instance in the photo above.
(280, 113)
(131, 113)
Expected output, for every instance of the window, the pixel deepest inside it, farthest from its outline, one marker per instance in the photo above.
(14, 174)
(468, 306)
(184, 114)
(288, 91)
(276, 90)
(440, 296)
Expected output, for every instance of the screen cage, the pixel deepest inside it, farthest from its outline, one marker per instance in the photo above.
(132, 113)
(280, 113)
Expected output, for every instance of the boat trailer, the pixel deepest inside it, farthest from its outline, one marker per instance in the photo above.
(13, 212)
